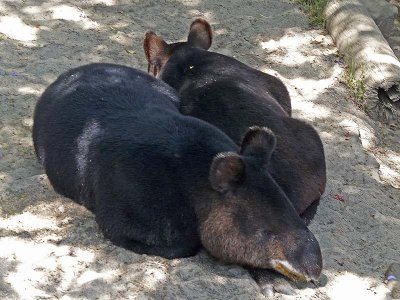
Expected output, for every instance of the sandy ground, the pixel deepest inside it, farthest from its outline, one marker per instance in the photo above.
(52, 248)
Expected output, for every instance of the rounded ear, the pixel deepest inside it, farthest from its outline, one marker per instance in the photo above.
(156, 51)
(227, 169)
(259, 142)
(200, 34)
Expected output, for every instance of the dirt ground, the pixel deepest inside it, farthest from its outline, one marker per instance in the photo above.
(51, 248)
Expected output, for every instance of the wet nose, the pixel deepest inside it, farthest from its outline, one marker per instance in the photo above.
(311, 258)
(302, 255)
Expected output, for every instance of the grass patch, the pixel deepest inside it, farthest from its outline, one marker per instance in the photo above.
(314, 10)
(357, 86)
(2, 37)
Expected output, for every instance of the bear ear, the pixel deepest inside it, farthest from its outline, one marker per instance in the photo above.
(200, 34)
(156, 51)
(227, 169)
(258, 142)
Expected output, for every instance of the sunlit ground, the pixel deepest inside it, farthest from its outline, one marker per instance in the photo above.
(38, 261)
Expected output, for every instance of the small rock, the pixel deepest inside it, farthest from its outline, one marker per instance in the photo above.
(27, 122)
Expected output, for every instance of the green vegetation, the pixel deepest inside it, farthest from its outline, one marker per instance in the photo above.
(314, 10)
(356, 86)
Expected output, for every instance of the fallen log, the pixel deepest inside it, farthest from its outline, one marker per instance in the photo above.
(359, 39)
